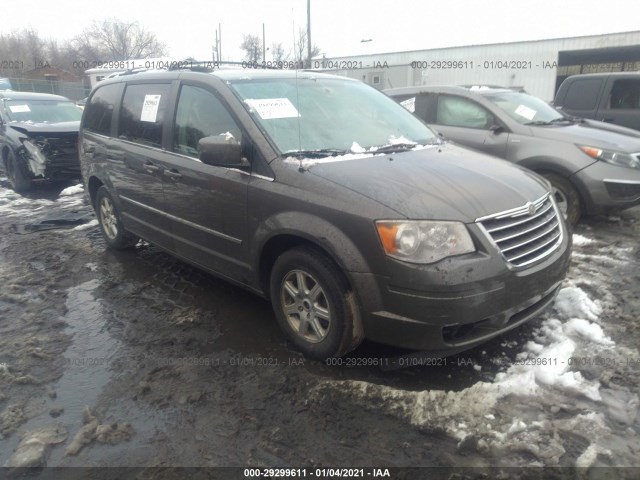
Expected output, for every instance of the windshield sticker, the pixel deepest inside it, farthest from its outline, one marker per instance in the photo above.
(270, 108)
(525, 112)
(409, 104)
(150, 108)
(19, 108)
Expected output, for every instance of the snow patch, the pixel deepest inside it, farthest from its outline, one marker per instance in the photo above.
(581, 241)
(72, 190)
(587, 330)
(573, 302)
(86, 226)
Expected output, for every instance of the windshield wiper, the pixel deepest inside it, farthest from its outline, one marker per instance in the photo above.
(320, 153)
(550, 122)
(398, 147)
(562, 119)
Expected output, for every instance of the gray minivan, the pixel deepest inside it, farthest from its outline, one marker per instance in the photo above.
(593, 166)
(325, 196)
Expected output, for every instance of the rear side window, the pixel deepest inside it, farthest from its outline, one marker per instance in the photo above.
(143, 113)
(460, 112)
(200, 114)
(99, 111)
(583, 94)
(625, 94)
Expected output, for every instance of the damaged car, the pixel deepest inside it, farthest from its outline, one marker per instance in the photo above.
(38, 138)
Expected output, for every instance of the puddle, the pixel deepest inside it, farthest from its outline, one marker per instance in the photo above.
(87, 368)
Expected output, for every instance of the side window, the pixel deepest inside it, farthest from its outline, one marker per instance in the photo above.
(625, 94)
(583, 94)
(143, 113)
(460, 112)
(200, 114)
(99, 111)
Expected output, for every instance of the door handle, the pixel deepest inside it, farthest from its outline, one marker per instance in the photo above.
(173, 174)
(151, 168)
(609, 120)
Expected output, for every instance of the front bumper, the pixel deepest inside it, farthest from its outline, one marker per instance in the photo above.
(607, 187)
(459, 302)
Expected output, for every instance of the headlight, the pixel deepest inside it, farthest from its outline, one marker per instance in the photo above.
(34, 151)
(423, 241)
(620, 159)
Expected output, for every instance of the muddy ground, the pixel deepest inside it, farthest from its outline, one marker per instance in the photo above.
(135, 359)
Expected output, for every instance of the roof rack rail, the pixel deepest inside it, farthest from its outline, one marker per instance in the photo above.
(480, 86)
(210, 65)
(193, 66)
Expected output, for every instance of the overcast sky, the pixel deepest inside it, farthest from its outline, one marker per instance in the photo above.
(338, 26)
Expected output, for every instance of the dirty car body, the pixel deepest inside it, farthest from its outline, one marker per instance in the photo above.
(38, 138)
(328, 198)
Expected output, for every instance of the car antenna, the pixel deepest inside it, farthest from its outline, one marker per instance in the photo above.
(300, 167)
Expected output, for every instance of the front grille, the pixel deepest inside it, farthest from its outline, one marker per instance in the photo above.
(526, 234)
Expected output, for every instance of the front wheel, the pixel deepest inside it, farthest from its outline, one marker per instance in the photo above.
(110, 224)
(566, 197)
(314, 305)
(19, 180)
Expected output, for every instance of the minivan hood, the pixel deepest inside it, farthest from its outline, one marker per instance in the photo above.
(440, 183)
(592, 133)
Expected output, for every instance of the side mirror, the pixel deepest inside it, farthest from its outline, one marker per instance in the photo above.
(221, 151)
(496, 129)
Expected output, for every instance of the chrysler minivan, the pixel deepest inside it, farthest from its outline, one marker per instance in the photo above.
(325, 196)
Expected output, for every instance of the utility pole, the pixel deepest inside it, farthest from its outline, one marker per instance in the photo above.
(308, 33)
(215, 49)
(220, 43)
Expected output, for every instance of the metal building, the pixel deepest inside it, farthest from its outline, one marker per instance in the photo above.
(539, 66)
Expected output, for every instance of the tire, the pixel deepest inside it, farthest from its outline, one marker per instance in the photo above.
(567, 198)
(321, 319)
(110, 223)
(19, 180)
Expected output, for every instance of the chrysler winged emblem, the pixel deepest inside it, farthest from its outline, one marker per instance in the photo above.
(531, 208)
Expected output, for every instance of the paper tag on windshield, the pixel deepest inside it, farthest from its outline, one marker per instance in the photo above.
(270, 108)
(409, 104)
(19, 108)
(150, 108)
(526, 112)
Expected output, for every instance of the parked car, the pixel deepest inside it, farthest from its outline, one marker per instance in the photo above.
(610, 97)
(592, 166)
(38, 138)
(5, 84)
(323, 195)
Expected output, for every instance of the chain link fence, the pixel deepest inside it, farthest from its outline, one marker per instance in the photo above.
(71, 90)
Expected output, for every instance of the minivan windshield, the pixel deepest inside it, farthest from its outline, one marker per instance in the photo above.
(42, 111)
(330, 116)
(526, 109)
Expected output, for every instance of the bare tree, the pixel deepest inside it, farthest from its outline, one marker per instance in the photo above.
(300, 50)
(252, 46)
(113, 39)
(277, 52)
(22, 51)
